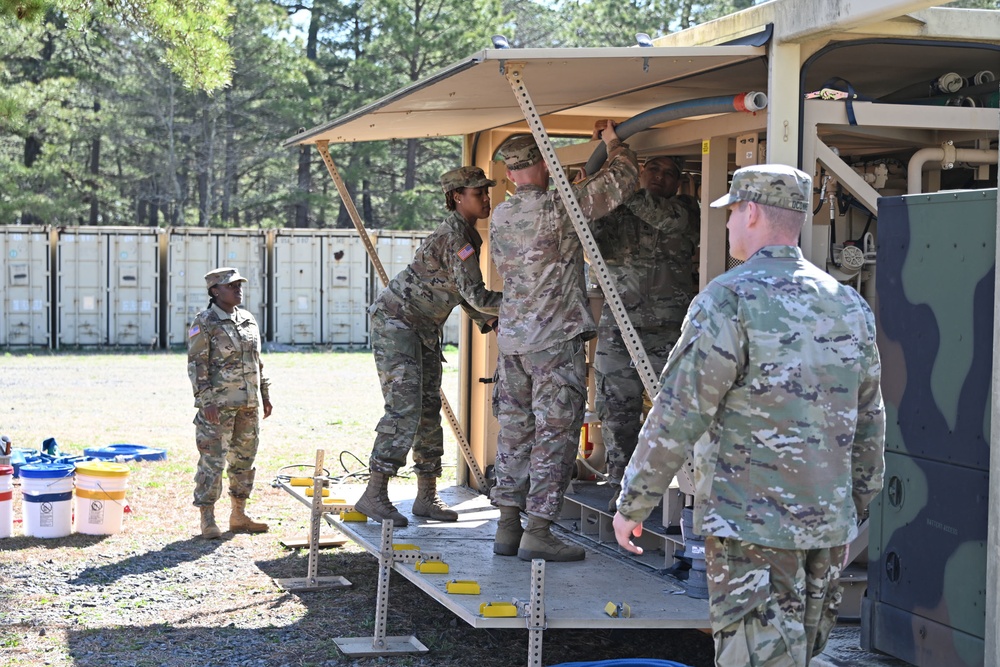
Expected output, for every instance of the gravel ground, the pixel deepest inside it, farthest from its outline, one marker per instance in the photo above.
(157, 594)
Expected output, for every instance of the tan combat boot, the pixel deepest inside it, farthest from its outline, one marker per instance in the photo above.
(509, 531)
(428, 503)
(375, 504)
(209, 530)
(539, 542)
(239, 522)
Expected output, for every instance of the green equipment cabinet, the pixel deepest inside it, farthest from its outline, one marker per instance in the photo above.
(927, 551)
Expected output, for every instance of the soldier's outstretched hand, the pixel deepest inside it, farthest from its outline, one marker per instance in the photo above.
(626, 529)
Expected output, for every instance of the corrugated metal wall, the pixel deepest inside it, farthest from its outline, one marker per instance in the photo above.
(306, 287)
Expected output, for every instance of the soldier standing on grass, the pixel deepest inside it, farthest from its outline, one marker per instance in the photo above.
(777, 362)
(542, 392)
(649, 244)
(407, 319)
(229, 386)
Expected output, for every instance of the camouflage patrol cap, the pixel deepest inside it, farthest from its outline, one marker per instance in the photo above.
(520, 153)
(771, 185)
(464, 177)
(223, 276)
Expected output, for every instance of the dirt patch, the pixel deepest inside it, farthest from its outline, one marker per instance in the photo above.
(156, 594)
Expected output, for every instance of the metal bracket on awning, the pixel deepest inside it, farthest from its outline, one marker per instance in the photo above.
(463, 442)
(629, 335)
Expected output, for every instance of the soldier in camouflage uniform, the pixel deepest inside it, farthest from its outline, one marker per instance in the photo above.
(777, 363)
(546, 318)
(407, 320)
(229, 386)
(648, 243)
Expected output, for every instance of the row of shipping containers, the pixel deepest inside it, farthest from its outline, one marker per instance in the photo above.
(129, 286)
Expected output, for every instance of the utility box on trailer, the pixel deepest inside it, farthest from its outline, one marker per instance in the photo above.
(927, 554)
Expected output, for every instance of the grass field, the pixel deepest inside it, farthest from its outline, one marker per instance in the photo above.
(328, 400)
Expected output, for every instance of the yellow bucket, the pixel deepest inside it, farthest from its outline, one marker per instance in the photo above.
(100, 497)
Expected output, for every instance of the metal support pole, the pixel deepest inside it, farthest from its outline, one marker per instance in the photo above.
(312, 581)
(648, 376)
(463, 442)
(536, 613)
(382, 597)
(379, 643)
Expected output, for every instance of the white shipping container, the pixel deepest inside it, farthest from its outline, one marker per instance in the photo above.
(345, 294)
(107, 286)
(320, 288)
(191, 253)
(25, 286)
(297, 286)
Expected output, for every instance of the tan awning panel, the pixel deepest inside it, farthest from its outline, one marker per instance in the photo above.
(473, 95)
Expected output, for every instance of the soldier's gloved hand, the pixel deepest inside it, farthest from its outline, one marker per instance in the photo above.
(608, 133)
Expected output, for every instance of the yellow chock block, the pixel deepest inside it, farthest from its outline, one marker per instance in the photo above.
(462, 587)
(402, 546)
(309, 492)
(353, 515)
(618, 610)
(498, 610)
(431, 567)
(334, 501)
(300, 481)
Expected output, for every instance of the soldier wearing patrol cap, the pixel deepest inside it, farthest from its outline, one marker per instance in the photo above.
(407, 319)
(777, 364)
(541, 395)
(230, 388)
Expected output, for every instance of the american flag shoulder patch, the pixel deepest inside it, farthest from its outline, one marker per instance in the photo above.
(194, 331)
(466, 252)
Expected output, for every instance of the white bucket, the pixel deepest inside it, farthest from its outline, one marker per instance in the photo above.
(48, 514)
(47, 495)
(6, 513)
(100, 497)
(6, 477)
(6, 501)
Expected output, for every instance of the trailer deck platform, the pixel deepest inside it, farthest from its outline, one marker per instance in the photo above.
(576, 595)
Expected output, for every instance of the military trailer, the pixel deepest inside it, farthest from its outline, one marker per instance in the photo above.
(885, 103)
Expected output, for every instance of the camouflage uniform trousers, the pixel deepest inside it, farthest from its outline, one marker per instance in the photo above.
(410, 374)
(771, 607)
(620, 389)
(540, 406)
(231, 445)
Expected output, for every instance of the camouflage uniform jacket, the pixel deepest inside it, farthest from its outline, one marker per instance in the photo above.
(539, 256)
(777, 362)
(224, 359)
(444, 273)
(648, 244)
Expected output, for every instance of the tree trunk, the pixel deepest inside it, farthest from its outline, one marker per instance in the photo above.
(305, 187)
(410, 179)
(95, 170)
(229, 179)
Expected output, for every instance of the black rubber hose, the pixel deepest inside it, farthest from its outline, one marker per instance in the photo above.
(749, 102)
